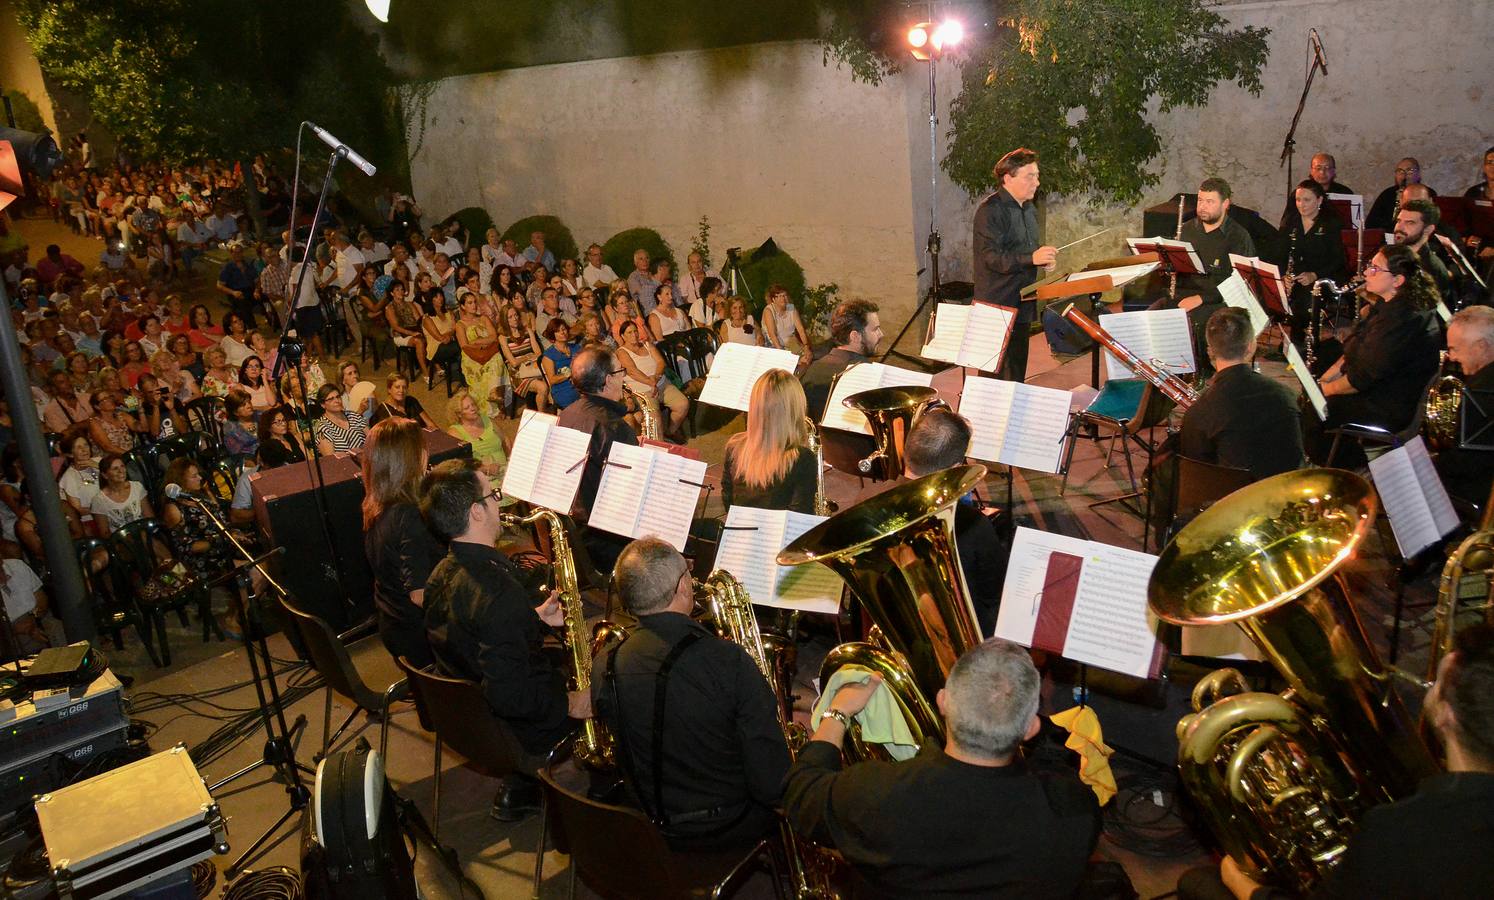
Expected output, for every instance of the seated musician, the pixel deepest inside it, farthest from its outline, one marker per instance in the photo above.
(968, 819)
(598, 378)
(484, 625)
(768, 465)
(1435, 843)
(1389, 356)
(1214, 236)
(1324, 170)
(856, 330)
(939, 440)
(1314, 249)
(1383, 211)
(1418, 226)
(1467, 472)
(721, 757)
(1243, 419)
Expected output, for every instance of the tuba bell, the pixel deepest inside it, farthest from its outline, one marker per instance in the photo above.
(1444, 409)
(1283, 778)
(896, 553)
(890, 411)
(1466, 587)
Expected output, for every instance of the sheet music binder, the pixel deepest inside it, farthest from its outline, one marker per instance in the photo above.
(544, 467)
(647, 492)
(964, 335)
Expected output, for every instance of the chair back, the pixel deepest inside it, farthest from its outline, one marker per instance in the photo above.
(687, 350)
(138, 549)
(100, 585)
(140, 463)
(206, 414)
(1200, 483)
(329, 656)
(456, 710)
(198, 445)
(221, 478)
(612, 845)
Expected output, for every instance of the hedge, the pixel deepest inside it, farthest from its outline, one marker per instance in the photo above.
(780, 268)
(477, 222)
(558, 238)
(618, 251)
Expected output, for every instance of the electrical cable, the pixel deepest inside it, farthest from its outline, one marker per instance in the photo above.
(204, 878)
(1145, 816)
(274, 883)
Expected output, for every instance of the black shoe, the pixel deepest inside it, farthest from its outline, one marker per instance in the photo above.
(517, 800)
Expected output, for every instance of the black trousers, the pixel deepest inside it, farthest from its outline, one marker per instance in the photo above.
(1014, 362)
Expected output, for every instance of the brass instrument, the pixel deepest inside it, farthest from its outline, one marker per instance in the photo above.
(1282, 778)
(1468, 575)
(1319, 314)
(595, 747)
(823, 506)
(730, 610)
(890, 411)
(648, 429)
(1171, 386)
(1444, 410)
(896, 553)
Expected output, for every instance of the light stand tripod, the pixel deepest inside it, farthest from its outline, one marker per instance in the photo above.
(732, 277)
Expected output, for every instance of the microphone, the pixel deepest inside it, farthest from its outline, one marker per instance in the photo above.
(331, 140)
(1312, 35)
(175, 492)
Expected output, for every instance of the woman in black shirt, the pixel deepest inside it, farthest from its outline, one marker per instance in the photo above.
(400, 549)
(1314, 249)
(768, 465)
(279, 443)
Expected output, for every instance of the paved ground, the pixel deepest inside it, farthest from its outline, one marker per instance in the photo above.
(500, 858)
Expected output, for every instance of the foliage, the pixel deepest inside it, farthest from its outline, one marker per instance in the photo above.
(28, 115)
(779, 268)
(179, 80)
(844, 46)
(617, 252)
(815, 307)
(701, 243)
(477, 222)
(558, 238)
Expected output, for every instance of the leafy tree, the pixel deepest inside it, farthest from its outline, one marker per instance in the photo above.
(1075, 80)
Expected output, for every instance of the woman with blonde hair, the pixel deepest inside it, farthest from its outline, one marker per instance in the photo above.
(401, 550)
(769, 464)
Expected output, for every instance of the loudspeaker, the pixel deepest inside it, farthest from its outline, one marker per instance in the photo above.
(1063, 336)
(287, 513)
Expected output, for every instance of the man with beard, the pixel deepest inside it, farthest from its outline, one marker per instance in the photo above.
(856, 330)
(1214, 236)
(1416, 227)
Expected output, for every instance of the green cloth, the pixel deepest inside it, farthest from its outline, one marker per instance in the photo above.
(881, 722)
(487, 448)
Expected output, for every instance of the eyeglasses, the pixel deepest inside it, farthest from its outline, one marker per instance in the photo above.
(494, 494)
(1372, 269)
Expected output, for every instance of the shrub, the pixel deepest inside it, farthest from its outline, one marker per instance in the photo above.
(477, 222)
(558, 238)
(780, 268)
(618, 251)
(815, 308)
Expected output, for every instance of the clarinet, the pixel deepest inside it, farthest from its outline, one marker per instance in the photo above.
(1172, 277)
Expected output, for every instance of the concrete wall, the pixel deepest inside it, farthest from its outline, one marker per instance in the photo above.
(18, 67)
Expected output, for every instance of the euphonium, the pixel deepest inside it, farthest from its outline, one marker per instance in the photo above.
(595, 746)
(1282, 778)
(1468, 575)
(1444, 410)
(890, 411)
(896, 552)
(649, 430)
(822, 504)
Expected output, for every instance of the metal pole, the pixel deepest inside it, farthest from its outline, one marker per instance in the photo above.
(67, 591)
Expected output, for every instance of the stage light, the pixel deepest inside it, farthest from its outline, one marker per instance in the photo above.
(929, 41)
(380, 9)
(949, 33)
(918, 35)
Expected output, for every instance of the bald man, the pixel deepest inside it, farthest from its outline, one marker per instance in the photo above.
(1382, 212)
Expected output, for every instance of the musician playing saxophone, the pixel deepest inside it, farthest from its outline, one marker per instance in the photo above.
(769, 465)
(719, 776)
(968, 819)
(1435, 843)
(484, 626)
(1466, 471)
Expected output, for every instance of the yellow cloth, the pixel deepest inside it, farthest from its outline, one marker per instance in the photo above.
(1086, 739)
(882, 720)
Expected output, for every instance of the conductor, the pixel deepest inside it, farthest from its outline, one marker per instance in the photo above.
(1007, 251)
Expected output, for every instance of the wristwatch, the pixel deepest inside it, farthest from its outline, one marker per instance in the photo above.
(837, 715)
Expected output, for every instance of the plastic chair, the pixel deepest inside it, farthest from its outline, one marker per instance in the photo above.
(361, 671)
(618, 852)
(687, 354)
(141, 465)
(452, 369)
(206, 414)
(1194, 486)
(137, 552)
(114, 610)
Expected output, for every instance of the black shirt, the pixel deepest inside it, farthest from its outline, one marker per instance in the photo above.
(273, 454)
(482, 626)
(401, 552)
(1467, 474)
(723, 748)
(1244, 420)
(603, 420)
(935, 827)
(1320, 250)
(1290, 216)
(1382, 211)
(1389, 357)
(387, 410)
(817, 378)
(1213, 249)
(795, 490)
(1005, 236)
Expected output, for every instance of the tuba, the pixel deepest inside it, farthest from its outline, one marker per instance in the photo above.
(890, 411)
(1444, 410)
(1283, 778)
(1468, 575)
(896, 553)
(595, 747)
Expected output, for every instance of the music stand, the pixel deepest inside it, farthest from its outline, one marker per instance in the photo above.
(1091, 281)
(1175, 257)
(1265, 283)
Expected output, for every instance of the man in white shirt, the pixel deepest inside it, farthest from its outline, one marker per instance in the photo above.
(401, 267)
(597, 273)
(446, 244)
(348, 259)
(224, 226)
(26, 605)
(309, 319)
(192, 237)
(374, 251)
(696, 273)
(510, 256)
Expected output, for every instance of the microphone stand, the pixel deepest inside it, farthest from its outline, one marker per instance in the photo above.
(280, 739)
(1289, 147)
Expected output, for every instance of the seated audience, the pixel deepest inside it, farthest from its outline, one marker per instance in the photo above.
(338, 430)
(398, 404)
(279, 441)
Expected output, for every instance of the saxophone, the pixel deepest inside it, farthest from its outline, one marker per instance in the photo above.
(729, 608)
(1468, 575)
(649, 431)
(595, 746)
(823, 506)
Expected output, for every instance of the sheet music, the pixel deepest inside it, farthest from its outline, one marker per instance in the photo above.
(1160, 337)
(865, 377)
(1236, 293)
(1415, 500)
(749, 550)
(1443, 312)
(1297, 366)
(1174, 245)
(545, 465)
(1263, 270)
(1109, 625)
(1017, 424)
(1118, 275)
(646, 492)
(974, 335)
(736, 368)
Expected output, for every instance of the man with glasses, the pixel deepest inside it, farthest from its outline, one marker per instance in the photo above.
(598, 378)
(1383, 211)
(485, 626)
(597, 273)
(696, 721)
